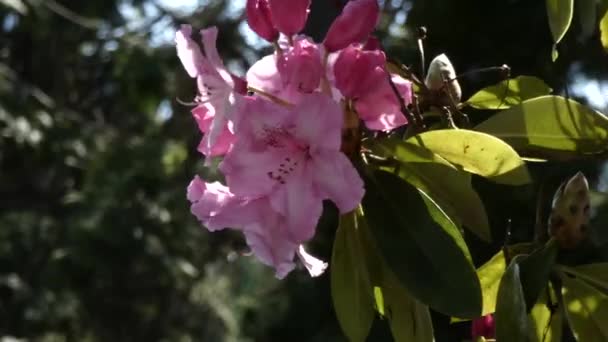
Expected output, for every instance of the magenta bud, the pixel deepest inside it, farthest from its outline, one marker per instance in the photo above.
(483, 327)
(357, 20)
(260, 21)
(358, 71)
(289, 16)
(300, 66)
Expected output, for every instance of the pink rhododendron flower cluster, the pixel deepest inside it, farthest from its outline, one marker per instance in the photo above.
(279, 130)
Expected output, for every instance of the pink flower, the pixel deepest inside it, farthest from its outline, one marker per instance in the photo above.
(483, 327)
(357, 20)
(203, 115)
(260, 21)
(215, 84)
(264, 229)
(300, 66)
(289, 16)
(358, 72)
(292, 155)
(380, 108)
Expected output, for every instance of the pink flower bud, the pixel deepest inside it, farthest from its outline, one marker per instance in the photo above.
(300, 66)
(483, 327)
(353, 25)
(289, 16)
(259, 19)
(358, 71)
(373, 43)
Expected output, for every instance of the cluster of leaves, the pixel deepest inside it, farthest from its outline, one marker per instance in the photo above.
(403, 251)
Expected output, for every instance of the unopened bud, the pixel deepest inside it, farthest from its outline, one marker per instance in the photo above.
(357, 20)
(570, 212)
(260, 21)
(289, 16)
(442, 74)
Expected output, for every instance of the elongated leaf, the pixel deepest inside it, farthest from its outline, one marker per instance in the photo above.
(478, 153)
(410, 320)
(534, 271)
(550, 126)
(587, 14)
(421, 246)
(586, 310)
(440, 180)
(350, 285)
(546, 319)
(511, 318)
(594, 274)
(509, 93)
(559, 13)
(604, 30)
(490, 274)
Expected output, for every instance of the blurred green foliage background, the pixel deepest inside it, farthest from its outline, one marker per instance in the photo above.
(96, 239)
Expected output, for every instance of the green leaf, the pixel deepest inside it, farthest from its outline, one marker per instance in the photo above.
(604, 30)
(410, 320)
(587, 14)
(440, 180)
(535, 269)
(586, 310)
(511, 318)
(350, 285)
(594, 274)
(490, 274)
(509, 93)
(421, 245)
(478, 153)
(546, 319)
(550, 126)
(559, 13)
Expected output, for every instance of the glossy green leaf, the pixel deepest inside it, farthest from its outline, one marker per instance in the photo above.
(534, 271)
(421, 245)
(559, 13)
(490, 274)
(604, 30)
(586, 310)
(509, 93)
(594, 274)
(478, 153)
(550, 126)
(440, 180)
(350, 286)
(410, 320)
(546, 318)
(511, 318)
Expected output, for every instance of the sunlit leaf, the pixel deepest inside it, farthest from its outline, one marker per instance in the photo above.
(604, 30)
(550, 126)
(440, 180)
(478, 153)
(546, 318)
(511, 318)
(559, 13)
(350, 287)
(421, 245)
(586, 310)
(490, 274)
(509, 93)
(594, 274)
